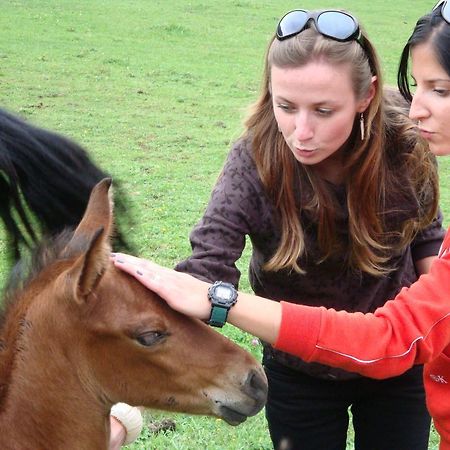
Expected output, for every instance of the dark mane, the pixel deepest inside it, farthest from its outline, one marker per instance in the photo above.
(45, 182)
(49, 251)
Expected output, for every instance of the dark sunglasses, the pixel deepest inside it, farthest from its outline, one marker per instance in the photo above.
(337, 25)
(445, 10)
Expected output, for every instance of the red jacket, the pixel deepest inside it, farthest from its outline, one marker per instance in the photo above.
(412, 329)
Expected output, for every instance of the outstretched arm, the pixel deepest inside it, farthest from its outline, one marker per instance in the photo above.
(188, 295)
(412, 329)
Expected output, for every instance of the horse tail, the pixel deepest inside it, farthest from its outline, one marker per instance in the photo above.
(45, 183)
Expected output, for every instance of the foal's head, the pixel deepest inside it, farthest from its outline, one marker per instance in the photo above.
(90, 324)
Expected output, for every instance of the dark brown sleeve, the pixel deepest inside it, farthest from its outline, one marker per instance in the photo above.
(234, 209)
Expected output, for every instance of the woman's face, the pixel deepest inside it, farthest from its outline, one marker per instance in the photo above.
(431, 101)
(315, 108)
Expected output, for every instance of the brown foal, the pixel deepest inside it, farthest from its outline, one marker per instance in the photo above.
(78, 336)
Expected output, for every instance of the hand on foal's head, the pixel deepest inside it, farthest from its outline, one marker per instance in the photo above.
(181, 291)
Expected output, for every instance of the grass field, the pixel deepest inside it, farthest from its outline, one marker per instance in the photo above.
(157, 90)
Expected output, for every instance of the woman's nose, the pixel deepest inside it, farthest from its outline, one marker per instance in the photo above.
(418, 110)
(303, 127)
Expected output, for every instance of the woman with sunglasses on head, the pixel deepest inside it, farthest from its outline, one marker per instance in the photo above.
(338, 195)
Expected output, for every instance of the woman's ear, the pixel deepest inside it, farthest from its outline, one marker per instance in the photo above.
(365, 102)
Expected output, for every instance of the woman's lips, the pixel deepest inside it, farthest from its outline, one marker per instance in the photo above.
(425, 133)
(305, 152)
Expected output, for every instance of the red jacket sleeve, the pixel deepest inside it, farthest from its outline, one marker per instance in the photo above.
(412, 329)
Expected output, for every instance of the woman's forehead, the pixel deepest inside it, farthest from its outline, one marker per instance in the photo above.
(425, 63)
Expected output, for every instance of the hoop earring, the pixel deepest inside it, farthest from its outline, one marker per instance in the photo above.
(361, 126)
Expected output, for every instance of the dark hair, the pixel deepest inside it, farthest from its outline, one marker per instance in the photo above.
(45, 183)
(430, 28)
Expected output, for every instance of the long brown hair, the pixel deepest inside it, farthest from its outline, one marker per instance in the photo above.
(374, 187)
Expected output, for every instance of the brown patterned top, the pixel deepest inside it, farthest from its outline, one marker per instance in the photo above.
(239, 207)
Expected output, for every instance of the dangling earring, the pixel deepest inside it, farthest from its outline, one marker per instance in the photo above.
(361, 125)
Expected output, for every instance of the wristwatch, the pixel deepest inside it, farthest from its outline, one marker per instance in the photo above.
(222, 297)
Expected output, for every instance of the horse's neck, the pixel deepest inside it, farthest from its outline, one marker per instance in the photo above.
(48, 405)
(22, 427)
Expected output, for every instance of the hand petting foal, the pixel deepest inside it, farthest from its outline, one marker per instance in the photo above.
(181, 291)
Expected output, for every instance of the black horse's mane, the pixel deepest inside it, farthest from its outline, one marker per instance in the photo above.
(45, 183)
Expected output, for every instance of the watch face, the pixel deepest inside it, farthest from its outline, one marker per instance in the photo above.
(224, 292)
(222, 296)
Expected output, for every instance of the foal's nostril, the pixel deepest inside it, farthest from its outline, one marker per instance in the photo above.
(256, 385)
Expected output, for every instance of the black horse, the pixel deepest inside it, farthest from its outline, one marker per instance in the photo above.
(45, 183)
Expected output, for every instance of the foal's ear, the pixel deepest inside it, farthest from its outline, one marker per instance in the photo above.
(99, 212)
(92, 240)
(89, 268)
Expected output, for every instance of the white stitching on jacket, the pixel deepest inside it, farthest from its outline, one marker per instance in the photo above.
(401, 355)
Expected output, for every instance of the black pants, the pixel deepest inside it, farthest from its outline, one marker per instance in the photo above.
(306, 413)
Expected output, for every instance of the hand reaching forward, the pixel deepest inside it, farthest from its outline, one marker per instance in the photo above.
(181, 291)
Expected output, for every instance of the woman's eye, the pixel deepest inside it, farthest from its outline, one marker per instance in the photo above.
(150, 338)
(441, 92)
(285, 107)
(324, 111)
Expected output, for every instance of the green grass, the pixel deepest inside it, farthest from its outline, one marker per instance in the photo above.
(157, 90)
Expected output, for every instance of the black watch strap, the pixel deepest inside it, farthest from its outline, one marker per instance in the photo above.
(222, 296)
(218, 316)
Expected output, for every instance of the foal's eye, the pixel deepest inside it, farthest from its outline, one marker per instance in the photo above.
(150, 338)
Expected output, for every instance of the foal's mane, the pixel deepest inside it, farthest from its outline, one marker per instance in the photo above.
(15, 304)
(30, 266)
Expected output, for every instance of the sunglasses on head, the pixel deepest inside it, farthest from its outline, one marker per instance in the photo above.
(337, 25)
(445, 10)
